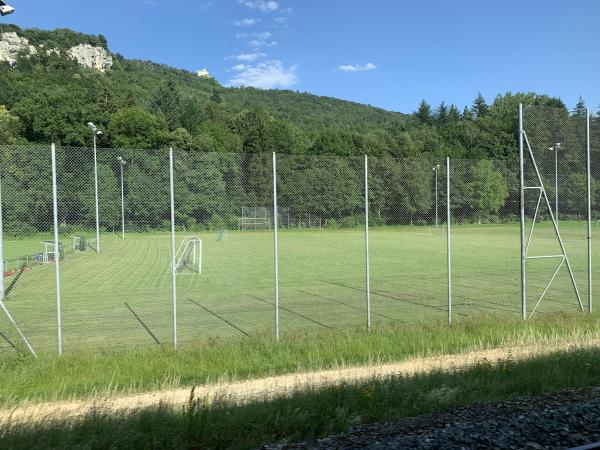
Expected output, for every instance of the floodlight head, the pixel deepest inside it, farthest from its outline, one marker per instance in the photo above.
(121, 160)
(5, 9)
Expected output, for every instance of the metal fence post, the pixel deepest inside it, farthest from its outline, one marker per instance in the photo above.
(276, 245)
(56, 252)
(173, 248)
(367, 267)
(522, 221)
(449, 240)
(589, 210)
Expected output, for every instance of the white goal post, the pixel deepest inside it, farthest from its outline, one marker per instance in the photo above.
(188, 258)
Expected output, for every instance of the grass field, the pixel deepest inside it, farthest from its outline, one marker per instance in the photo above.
(122, 296)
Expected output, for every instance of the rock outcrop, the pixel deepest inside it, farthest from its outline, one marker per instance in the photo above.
(91, 57)
(11, 45)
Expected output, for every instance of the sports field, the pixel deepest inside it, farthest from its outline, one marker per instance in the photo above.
(122, 296)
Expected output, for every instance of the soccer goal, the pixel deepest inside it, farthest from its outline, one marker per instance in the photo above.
(189, 256)
(254, 218)
(49, 254)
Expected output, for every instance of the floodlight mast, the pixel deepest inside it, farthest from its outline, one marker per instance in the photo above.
(96, 132)
(122, 163)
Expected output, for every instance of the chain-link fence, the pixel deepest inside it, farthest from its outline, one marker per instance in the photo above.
(155, 247)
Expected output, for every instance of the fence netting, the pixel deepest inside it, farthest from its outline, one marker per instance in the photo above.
(118, 261)
(224, 219)
(321, 242)
(29, 288)
(407, 239)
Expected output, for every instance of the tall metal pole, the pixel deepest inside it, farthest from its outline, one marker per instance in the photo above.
(436, 169)
(2, 291)
(556, 147)
(367, 267)
(589, 209)
(522, 221)
(56, 253)
(121, 163)
(449, 240)
(96, 188)
(276, 245)
(173, 248)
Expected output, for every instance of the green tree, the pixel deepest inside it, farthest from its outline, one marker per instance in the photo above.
(136, 128)
(9, 126)
(423, 114)
(480, 107)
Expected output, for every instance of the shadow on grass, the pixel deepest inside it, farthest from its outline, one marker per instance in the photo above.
(216, 423)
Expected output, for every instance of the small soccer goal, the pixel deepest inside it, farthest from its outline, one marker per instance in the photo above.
(79, 244)
(222, 235)
(49, 254)
(189, 256)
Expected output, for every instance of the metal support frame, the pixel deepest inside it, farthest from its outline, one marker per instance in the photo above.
(173, 249)
(367, 266)
(524, 141)
(276, 245)
(449, 241)
(56, 253)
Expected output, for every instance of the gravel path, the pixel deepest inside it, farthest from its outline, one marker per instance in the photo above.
(566, 419)
(270, 387)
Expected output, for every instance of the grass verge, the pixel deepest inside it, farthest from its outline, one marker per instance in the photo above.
(84, 375)
(310, 414)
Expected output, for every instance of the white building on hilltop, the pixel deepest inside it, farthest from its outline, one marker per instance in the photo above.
(203, 73)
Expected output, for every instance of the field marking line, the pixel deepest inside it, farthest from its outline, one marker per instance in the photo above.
(241, 392)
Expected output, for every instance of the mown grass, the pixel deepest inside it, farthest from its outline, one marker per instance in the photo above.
(213, 423)
(87, 374)
(123, 295)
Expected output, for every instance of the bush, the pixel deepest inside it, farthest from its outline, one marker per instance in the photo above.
(19, 229)
(332, 224)
(216, 222)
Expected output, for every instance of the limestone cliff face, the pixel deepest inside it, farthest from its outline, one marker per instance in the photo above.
(91, 57)
(12, 45)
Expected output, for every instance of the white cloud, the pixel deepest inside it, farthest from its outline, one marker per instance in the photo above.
(256, 39)
(281, 20)
(240, 67)
(246, 22)
(263, 5)
(356, 67)
(248, 57)
(266, 75)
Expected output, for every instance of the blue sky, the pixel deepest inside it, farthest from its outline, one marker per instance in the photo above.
(388, 53)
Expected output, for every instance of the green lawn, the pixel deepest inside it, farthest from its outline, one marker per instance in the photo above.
(122, 296)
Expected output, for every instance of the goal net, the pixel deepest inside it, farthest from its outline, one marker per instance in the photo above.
(254, 218)
(189, 256)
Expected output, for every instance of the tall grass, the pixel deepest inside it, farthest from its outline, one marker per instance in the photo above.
(310, 414)
(81, 375)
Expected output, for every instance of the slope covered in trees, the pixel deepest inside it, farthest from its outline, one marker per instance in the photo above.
(139, 104)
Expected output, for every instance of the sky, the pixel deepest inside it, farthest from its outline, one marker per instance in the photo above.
(387, 53)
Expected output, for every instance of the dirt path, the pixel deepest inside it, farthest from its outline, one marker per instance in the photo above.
(243, 391)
